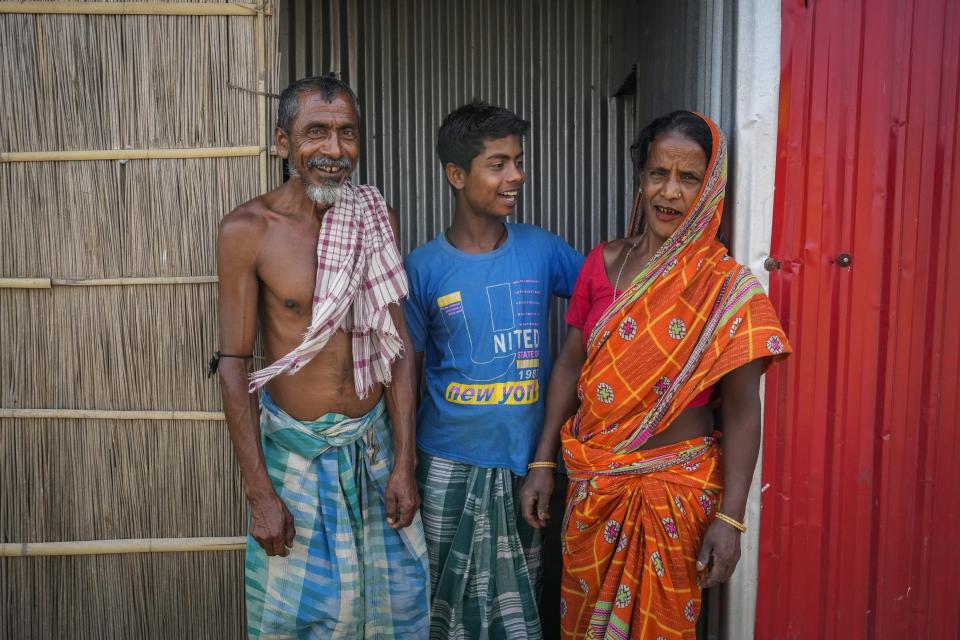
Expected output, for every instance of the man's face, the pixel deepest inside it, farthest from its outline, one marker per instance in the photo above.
(323, 145)
(496, 175)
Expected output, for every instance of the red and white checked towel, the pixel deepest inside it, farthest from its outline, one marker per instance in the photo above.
(359, 273)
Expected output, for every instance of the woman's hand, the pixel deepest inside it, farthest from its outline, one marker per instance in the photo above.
(719, 554)
(561, 403)
(535, 497)
(740, 417)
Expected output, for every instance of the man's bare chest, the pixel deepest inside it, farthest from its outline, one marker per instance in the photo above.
(288, 268)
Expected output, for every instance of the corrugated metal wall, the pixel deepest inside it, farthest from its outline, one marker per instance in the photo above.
(862, 512)
(682, 52)
(587, 74)
(757, 94)
(411, 62)
(684, 56)
(558, 64)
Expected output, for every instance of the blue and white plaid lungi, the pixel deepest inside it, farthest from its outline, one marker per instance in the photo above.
(348, 574)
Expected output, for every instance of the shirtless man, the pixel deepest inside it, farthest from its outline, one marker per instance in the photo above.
(328, 500)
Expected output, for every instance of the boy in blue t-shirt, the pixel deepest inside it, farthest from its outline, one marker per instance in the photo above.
(478, 308)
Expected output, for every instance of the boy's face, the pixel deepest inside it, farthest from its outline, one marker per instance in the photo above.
(492, 187)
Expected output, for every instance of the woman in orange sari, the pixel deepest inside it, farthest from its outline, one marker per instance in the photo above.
(657, 498)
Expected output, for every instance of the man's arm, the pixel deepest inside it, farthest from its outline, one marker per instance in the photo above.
(271, 522)
(401, 496)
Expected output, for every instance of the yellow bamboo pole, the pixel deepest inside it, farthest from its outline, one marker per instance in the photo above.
(129, 154)
(133, 8)
(25, 283)
(130, 545)
(104, 414)
(261, 53)
(46, 283)
(113, 282)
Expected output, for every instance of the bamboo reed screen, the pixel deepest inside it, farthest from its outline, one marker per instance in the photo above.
(137, 233)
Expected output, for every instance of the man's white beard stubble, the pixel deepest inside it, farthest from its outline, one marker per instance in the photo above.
(318, 194)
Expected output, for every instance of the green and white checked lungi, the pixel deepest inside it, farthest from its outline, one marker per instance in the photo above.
(348, 576)
(484, 557)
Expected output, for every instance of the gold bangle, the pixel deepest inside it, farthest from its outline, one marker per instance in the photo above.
(542, 465)
(733, 523)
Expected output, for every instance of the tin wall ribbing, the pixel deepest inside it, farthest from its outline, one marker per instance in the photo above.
(559, 64)
(862, 514)
(413, 62)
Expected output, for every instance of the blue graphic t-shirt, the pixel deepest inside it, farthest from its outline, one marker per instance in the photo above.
(481, 320)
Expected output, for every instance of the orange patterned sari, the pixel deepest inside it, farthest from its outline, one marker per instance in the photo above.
(635, 518)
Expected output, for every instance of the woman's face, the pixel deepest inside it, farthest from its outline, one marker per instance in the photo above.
(670, 181)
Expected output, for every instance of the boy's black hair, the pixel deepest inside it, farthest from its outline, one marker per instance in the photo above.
(686, 123)
(462, 134)
(328, 86)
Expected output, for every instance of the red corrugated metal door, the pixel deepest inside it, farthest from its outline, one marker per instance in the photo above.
(861, 510)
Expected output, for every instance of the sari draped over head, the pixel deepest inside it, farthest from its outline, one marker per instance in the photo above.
(636, 517)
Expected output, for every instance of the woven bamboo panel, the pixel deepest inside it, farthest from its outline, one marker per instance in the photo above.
(93, 83)
(104, 480)
(123, 348)
(103, 219)
(188, 596)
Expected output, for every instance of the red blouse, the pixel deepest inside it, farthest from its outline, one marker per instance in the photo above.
(592, 295)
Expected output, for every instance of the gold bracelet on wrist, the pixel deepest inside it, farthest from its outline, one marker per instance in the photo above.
(736, 524)
(542, 465)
